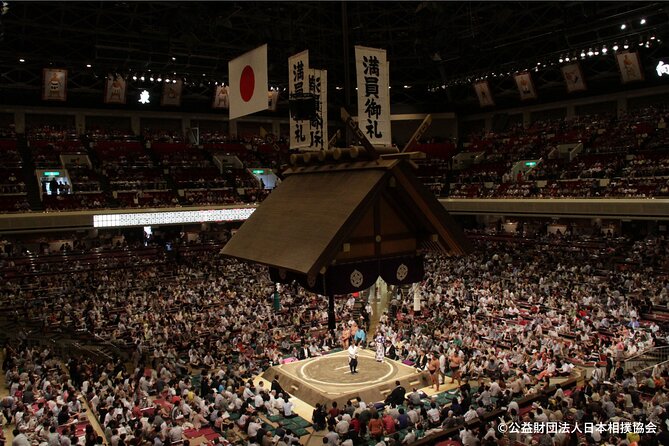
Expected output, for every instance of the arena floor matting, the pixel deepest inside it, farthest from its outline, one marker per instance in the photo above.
(328, 378)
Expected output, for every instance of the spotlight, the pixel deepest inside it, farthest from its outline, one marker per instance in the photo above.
(561, 60)
(626, 46)
(615, 47)
(590, 53)
(151, 78)
(642, 22)
(583, 54)
(203, 75)
(22, 60)
(141, 78)
(159, 79)
(174, 58)
(652, 37)
(134, 77)
(216, 83)
(88, 65)
(174, 81)
(596, 52)
(167, 80)
(566, 59)
(623, 26)
(605, 50)
(406, 86)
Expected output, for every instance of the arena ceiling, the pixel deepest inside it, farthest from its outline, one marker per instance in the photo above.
(435, 49)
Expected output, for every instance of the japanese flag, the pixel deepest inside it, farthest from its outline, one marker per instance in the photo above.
(248, 83)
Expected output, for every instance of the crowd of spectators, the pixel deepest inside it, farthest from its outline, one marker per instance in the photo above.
(502, 322)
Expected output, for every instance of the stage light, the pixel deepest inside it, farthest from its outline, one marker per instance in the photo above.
(561, 60)
(642, 22)
(626, 46)
(590, 53)
(596, 52)
(88, 65)
(22, 60)
(605, 50)
(216, 83)
(174, 81)
(623, 26)
(652, 37)
(615, 47)
(406, 86)
(141, 78)
(167, 80)
(583, 54)
(134, 77)
(174, 58)
(151, 78)
(203, 74)
(566, 59)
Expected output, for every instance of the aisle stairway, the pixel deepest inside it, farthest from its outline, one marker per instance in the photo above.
(28, 167)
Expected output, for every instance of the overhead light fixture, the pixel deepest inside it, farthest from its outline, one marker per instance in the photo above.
(590, 53)
(159, 79)
(167, 80)
(174, 81)
(134, 77)
(151, 78)
(22, 60)
(141, 78)
(88, 65)
(615, 47)
(583, 54)
(623, 26)
(566, 58)
(561, 60)
(642, 21)
(626, 46)
(605, 50)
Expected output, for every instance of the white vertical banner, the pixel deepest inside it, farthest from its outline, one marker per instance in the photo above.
(318, 127)
(373, 76)
(298, 70)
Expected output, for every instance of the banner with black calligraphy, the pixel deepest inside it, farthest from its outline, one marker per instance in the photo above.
(373, 76)
(115, 90)
(318, 127)
(54, 84)
(484, 94)
(298, 70)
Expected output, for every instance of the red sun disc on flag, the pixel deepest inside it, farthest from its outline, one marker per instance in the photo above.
(247, 83)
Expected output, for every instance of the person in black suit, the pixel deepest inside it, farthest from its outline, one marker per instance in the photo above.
(397, 395)
(276, 386)
(421, 361)
(303, 352)
(390, 351)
